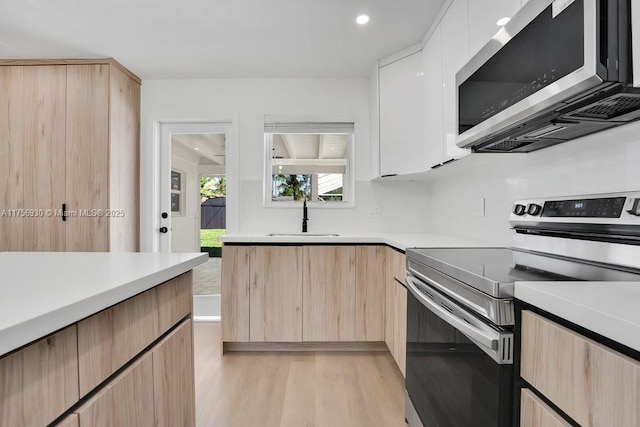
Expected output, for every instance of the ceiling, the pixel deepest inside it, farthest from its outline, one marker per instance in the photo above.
(218, 39)
(208, 148)
(310, 146)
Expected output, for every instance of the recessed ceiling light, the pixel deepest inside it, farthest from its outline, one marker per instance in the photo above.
(503, 21)
(362, 19)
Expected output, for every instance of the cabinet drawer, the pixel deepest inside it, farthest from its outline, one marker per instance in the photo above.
(594, 385)
(39, 382)
(535, 413)
(125, 401)
(109, 339)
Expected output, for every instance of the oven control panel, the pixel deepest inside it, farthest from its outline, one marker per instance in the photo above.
(610, 208)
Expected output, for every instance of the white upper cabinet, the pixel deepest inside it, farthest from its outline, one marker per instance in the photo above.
(483, 18)
(402, 114)
(433, 129)
(455, 54)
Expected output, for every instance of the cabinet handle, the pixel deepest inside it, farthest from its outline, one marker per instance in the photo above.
(64, 212)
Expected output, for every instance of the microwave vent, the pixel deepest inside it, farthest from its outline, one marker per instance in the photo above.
(610, 108)
(507, 145)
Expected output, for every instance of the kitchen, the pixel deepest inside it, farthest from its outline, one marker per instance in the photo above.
(469, 198)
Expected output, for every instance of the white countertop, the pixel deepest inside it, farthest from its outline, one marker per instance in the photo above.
(611, 309)
(400, 241)
(41, 292)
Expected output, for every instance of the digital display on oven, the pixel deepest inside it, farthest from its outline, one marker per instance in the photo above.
(610, 207)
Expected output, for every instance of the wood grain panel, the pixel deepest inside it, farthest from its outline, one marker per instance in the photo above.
(70, 61)
(124, 159)
(399, 265)
(275, 293)
(370, 293)
(175, 301)
(11, 156)
(173, 379)
(400, 326)
(39, 382)
(235, 293)
(109, 339)
(70, 421)
(125, 401)
(535, 413)
(87, 153)
(389, 288)
(593, 384)
(329, 293)
(43, 125)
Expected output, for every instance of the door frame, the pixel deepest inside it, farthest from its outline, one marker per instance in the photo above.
(155, 174)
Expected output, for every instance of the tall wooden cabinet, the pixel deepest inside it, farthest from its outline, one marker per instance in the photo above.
(69, 134)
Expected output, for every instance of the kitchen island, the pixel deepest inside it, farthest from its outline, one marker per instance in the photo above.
(96, 338)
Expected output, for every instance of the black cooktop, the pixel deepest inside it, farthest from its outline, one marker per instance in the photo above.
(494, 270)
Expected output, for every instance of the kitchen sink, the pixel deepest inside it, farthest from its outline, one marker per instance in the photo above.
(302, 235)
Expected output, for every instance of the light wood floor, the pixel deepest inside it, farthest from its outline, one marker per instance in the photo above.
(294, 389)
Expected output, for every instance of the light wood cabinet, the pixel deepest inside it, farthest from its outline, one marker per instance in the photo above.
(69, 133)
(70, 421)
(402, 114)
(370, 293)
(329, 293)
(235, 293)
(396, 304)
(275, 293)
(173, 373)
(593, 384)
(39, 382)
(126, 400)
(535, 413)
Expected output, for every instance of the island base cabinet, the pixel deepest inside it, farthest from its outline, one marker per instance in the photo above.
(39, 382)
(535, 413)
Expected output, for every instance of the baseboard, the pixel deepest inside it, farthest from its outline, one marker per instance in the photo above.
(305, 346)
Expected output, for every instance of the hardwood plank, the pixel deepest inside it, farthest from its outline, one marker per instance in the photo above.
(370, 293)
(173, 386)
(294, 389)
(87, 154)
(125, 401)
(235, 293)
(124, 160)
(39, 382)
(329, 294)
(535, 413)
(11, 156)
(591, 383)
(275, 293)
(43, 125)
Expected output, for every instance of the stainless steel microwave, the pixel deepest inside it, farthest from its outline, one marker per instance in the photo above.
(557, 71)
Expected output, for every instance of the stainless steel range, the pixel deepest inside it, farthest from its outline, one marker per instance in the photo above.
(460, 309)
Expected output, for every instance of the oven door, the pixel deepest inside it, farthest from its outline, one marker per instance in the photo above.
(459, 369)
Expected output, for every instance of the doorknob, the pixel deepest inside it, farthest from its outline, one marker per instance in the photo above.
(163, 229)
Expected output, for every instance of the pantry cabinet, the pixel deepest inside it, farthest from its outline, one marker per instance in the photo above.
(69, 136)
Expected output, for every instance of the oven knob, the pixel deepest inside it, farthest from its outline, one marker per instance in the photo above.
(519, 209)
(534, 209)
(635, 208)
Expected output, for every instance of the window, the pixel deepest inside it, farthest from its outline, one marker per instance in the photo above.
(177, 194)
(308, 160)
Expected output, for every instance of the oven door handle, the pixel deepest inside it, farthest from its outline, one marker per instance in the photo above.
(483, 338)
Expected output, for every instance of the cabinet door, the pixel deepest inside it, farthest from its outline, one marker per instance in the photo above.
(433, 118)
(370, 293)
(485, 14)
(39, 382)
(329, 293)
(400, 326)
(535, 413)
(389, 313)
(173, 379)
(455, 53)
(402, 146)
(591, 383)
(127, 400)
(87, 154)
(275, 294)
(235, 293)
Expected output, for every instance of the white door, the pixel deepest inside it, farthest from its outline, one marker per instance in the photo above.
(175, 196)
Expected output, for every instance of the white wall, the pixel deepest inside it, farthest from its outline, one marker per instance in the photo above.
(185, 228)
(605, 162)
(245, 102)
